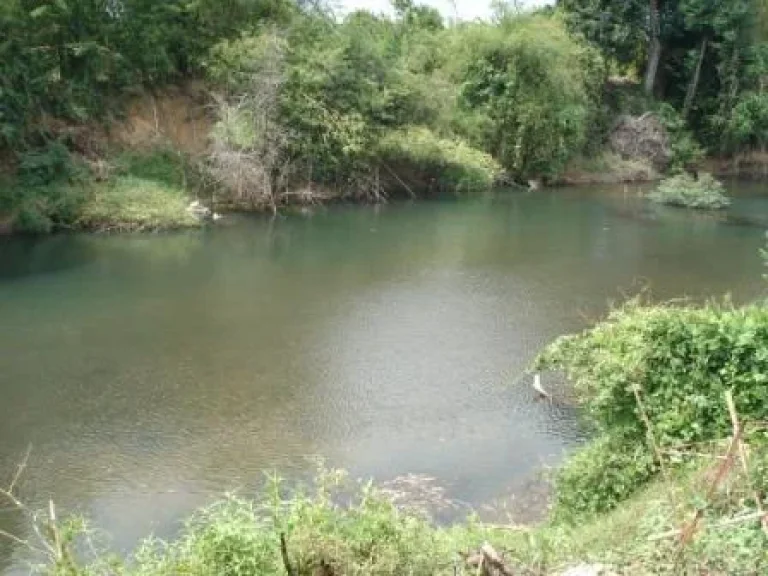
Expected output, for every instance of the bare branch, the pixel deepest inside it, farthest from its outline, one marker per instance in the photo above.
(20, 469)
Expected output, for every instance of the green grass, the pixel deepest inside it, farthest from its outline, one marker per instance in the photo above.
(144, 191)
(129, 203)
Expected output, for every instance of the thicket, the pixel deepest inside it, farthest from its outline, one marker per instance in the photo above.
(652, 379)
(305, 99)
(707, 60)
(374, 105)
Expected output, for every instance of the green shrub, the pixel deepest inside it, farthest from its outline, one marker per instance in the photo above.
(41, 209)
(600, 476)
(450, 163)
(747, 125)
(684, 149)
(683, 190)
(681, 359)
(526, 92)
(49, 163)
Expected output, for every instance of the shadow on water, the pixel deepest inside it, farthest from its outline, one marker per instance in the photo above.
(24, 256)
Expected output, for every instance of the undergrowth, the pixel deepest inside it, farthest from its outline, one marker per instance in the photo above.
(54, 190)
(654, 378)
(342, 528)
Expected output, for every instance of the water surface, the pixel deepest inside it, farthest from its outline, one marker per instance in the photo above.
(151, 373)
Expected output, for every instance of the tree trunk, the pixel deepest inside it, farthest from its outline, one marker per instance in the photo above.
(694, 85)
(654, 47)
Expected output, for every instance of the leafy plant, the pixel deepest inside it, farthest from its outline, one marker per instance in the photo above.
(680, 359)
(683, 190)
(440, 163)
(663, 366)
(532, 82)
(598, 477)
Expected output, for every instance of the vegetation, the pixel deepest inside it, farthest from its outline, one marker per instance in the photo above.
(368, 106)
(661, 371)
(441, 164)
(343, 528)
(685, 191)
(132, 192)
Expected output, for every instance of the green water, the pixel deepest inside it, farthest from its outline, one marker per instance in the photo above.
(153, 372)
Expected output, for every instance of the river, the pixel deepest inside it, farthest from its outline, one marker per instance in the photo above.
(151, 373)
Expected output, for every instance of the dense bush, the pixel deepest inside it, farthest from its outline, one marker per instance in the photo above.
(533, 84)
(679, 361)
(747, 126)
(685, 191)
(439, 163)
(48, 191)
(602, 475)
(44, 208)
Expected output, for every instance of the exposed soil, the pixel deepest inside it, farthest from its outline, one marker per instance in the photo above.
(178, 116)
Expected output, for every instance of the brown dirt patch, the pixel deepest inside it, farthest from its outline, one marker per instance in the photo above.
(178, 116)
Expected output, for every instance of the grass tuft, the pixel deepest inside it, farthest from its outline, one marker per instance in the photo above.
(129, 203)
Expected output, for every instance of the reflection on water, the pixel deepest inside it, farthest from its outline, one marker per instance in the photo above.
(154, 372)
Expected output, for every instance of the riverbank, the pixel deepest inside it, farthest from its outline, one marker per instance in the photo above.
(312, 534)
(149, 189)
(130, 192)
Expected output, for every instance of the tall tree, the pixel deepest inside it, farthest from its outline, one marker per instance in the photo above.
(654, 46)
